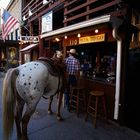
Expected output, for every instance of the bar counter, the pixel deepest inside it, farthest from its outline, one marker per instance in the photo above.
(103, 85)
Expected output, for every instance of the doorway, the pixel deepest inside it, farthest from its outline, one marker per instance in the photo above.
(132, 95)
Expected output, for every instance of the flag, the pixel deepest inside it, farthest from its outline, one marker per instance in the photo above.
(8, 22)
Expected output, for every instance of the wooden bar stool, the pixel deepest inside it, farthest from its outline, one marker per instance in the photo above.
(77, 99)
(93, 102)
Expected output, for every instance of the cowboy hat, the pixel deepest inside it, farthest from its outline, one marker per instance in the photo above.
(73, 51)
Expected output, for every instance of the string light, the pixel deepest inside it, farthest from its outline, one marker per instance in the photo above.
(57, 39)
(78, 35)
(96, 30)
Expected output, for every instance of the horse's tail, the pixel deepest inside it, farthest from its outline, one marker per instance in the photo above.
(8, 102)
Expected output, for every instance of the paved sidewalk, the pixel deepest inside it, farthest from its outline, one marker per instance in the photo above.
(46, 127)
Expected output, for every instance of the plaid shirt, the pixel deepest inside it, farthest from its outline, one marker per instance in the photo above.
(72, 65)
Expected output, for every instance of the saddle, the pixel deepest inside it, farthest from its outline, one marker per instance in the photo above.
(53, 66)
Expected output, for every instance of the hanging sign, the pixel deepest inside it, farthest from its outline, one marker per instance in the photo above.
(25, 39)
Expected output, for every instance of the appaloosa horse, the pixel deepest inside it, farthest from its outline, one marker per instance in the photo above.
(26, 84)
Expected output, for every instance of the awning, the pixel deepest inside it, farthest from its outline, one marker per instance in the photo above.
(31, 46)
(84, 24)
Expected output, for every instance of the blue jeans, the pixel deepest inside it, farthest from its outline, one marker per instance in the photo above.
(71, 82)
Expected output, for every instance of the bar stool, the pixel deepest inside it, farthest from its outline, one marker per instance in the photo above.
(77, 99)
(93, 102)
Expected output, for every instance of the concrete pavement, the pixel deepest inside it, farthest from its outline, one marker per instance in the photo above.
(46, 127)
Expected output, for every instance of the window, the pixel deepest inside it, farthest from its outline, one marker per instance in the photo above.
(12, 36)
(16, 34)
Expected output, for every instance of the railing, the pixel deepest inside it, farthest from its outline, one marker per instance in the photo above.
(37, 8)
(78, 11)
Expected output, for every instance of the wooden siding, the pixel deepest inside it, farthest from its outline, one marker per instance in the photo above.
(75, 10)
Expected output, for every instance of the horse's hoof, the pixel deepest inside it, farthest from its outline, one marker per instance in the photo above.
(59, 118)
(50, 112)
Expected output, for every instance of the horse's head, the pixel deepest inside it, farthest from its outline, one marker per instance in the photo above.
(58, 54)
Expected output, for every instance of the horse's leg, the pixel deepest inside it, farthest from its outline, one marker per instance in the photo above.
(18, 115)
(59, 117)
(25, 120)
(50, 103)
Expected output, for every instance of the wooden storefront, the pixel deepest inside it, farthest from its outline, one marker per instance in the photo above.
(94, 47)
(97, 43)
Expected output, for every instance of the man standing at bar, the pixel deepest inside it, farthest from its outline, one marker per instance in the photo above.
(72, 72)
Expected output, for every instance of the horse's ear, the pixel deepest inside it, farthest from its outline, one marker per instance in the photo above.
(54, 55)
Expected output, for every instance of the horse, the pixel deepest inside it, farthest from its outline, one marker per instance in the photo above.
(25, 85)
